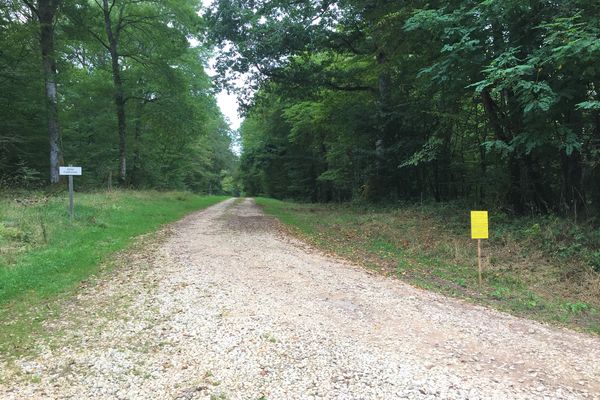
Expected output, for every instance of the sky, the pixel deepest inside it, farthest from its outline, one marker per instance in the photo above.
(229, 105)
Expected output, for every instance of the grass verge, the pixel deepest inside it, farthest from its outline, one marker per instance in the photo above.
(539, 267)
(43, 255)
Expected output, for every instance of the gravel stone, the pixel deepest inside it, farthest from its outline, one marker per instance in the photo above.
(228, 306)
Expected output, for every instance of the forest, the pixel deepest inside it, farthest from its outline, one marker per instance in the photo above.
(370, 129)
(494, 103)
(115, 86)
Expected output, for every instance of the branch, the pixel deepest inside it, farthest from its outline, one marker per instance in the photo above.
(121, 11)
(111, 6)
(350, 88)
(99, 39)
(491, 109)
(125, 21)
(142, 99)
(320, 15)
(269, 74)
(329, 85)
(135, 58)
(351, 47)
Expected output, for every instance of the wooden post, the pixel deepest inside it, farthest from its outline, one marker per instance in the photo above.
(479, 258)
(479, 230)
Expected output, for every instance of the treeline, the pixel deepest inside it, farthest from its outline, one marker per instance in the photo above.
(490, 102)
(113, 86)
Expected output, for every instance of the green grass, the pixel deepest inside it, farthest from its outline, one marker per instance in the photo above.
(537, 267)
(104, 223)
(43, 255)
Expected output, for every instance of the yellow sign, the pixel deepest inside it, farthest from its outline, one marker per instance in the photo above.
(479, 224)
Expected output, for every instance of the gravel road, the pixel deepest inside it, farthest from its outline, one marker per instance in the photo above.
(227, 306)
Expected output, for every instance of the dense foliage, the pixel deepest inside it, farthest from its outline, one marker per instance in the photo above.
(117, 88)
(493, 102)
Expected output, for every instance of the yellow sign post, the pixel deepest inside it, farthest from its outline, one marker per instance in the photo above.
(479, 230)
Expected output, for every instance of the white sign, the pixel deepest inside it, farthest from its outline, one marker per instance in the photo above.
(70, 171)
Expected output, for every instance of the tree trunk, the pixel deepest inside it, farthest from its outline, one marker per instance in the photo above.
(571, 183)
(137, 133)
(502, 132)
(572, 170)
(377, 183)
(594, 187)
(118, 82)
(46, 12)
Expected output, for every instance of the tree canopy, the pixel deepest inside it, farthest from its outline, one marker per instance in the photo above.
(131, 99)
(493, 102)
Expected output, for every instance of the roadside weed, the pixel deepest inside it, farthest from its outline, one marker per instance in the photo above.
(537, 267)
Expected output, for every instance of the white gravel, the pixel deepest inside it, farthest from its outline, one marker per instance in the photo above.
(228, 307)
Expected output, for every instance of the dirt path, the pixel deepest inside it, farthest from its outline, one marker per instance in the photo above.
(228, 308)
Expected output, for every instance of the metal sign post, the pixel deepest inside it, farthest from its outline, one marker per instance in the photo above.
(70, 171)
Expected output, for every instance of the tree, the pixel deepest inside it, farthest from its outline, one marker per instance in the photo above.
(113, 48)
(172, 120)
(46, 13)
(488, 101)
(134, 32)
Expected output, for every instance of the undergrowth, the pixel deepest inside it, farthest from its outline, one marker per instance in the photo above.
(545, 268)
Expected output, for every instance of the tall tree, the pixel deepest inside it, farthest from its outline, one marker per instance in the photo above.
(112, 46)
(46, 13)
(144, 33)
(176, 136)
(489, 101)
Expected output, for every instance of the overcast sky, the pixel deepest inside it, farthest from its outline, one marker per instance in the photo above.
(228, 104)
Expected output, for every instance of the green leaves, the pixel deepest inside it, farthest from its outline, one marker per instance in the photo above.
(430, 20)
(426, 154)
(588, 105)
(535, 96)
(570, 141)
(169, 99)
(477, 100)
(506, 71)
